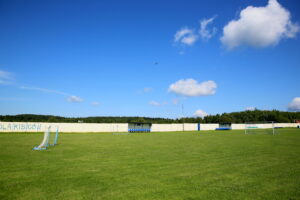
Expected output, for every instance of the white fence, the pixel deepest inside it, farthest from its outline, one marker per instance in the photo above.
(122, 127)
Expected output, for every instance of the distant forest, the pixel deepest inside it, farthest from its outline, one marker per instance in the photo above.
(234, 117)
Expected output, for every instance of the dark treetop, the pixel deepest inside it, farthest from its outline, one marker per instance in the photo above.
(234, 117)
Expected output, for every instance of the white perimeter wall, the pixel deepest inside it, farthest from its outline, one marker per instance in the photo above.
(63, 127)
(269, 125)
(208, 126)
(174, 127)
(122, 127)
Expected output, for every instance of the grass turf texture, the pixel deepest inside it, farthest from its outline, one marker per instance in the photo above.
(189, 165)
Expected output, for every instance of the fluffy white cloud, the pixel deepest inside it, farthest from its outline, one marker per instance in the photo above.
(5, 77)
(259, 27)
(95, 103)
(294, 105)
(200, 113)
(204, 32)
(185, 36)
(74, 99)
(250, 108)
(191, 87)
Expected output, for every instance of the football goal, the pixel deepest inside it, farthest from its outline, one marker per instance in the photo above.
(260, 128)
(47, 139)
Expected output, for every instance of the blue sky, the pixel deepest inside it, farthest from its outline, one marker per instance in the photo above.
(148, 58)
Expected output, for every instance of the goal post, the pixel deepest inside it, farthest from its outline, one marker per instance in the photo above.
(55, 138)
(46, 140)
(260, 128)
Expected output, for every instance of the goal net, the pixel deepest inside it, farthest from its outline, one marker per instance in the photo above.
(46, 140)
(260, 128)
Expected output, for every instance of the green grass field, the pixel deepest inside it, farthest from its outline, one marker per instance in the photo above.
(189, 165)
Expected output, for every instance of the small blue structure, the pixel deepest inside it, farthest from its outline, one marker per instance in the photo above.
(224, 126)
(139, 127)
(219, 129)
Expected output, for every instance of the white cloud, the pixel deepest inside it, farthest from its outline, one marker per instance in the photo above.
(44, 90)
(259, 27)
(185, 36)
(8, 78)
(191, 87)
(154, 103)
(294, 105)
(204, 32)
(95, 103)
(70, 98)
(5, 77)
(12, 99)
(250, 108)
(73, 99)
(200, 113)
(147, 89)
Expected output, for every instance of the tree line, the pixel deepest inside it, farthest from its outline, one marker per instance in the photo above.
(233, 117)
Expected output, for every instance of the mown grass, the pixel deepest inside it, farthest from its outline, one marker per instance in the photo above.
(188, 165)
